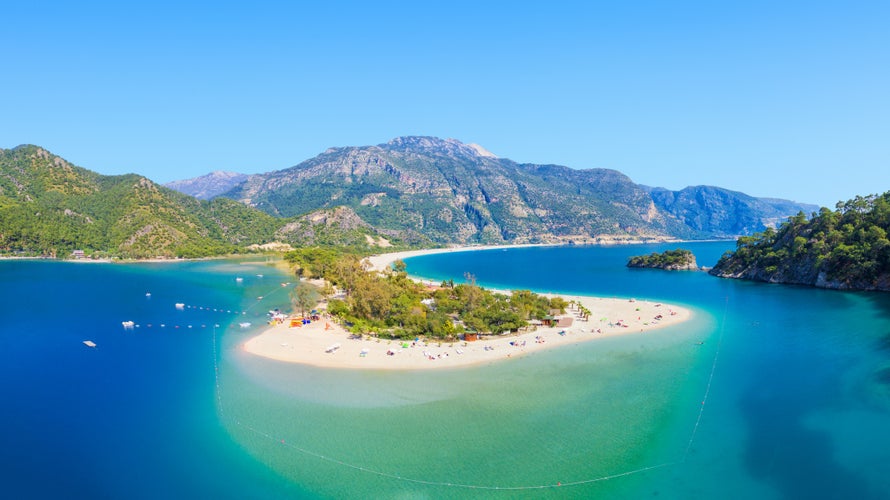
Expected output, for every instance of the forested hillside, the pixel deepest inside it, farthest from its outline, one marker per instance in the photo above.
(846, 248)
(51, 207)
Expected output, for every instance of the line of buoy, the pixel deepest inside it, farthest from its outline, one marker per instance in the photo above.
(399, 477)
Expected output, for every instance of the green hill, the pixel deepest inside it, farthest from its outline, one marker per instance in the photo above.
(51, 207)
(844, 249)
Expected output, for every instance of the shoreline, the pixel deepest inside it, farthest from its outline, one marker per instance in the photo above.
(309, 344)
(384, 261)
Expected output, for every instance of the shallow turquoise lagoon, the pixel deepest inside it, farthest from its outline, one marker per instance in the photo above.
(768, 392)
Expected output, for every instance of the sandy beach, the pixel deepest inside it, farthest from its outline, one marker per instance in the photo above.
(313, 344)
(384, 261)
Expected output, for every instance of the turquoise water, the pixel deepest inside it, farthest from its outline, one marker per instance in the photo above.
(795, 384)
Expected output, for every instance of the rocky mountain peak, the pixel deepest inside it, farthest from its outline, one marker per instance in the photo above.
(437, 146)
(208, 186)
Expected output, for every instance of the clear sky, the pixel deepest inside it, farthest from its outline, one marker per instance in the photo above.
(773, 98)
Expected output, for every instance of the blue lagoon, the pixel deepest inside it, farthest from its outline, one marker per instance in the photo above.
(769, 391)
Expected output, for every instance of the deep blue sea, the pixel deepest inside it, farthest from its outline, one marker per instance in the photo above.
(136, 416)
(770, 391)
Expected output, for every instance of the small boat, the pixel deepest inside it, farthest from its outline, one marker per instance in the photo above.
(89, 343)
(128, 325)
(180, 305)
(148, 294)
(244, 325)
(239, 280)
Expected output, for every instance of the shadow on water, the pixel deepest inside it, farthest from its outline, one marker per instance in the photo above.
(881, 374)
(782, 451)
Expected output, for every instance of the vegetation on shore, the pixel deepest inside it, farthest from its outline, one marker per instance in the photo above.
(669, 260)
(51, 208)
(391, 304)
(846, 248)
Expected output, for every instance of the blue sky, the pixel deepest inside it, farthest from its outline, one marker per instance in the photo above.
(779, 99)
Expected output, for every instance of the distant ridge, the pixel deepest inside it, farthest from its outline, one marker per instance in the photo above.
(208, 186)
(724, 213)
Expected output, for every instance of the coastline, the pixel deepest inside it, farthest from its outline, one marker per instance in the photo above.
(309, 344)
(383, 261)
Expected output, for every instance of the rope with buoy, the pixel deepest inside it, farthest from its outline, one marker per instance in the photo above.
(704, 399)
(336, 461)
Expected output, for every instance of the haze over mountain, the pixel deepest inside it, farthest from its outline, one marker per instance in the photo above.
(208, 186)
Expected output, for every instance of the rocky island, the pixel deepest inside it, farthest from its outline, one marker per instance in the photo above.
(670, 260)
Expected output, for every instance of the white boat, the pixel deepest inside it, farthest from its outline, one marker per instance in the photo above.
(180, 305)
(89, 343)
(128, 325)
(332, 348)
(244, 325)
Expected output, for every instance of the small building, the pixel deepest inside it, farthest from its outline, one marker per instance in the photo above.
(78, 254)
(564, 321)
(557, 321)
(471, 337)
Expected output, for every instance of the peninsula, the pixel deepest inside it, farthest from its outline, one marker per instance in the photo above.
(324, 343)
(843, 249)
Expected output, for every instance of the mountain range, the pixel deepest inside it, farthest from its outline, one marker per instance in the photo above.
(409, 192)
(450, 192)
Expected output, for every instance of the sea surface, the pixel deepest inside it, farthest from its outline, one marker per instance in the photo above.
(770, 391)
